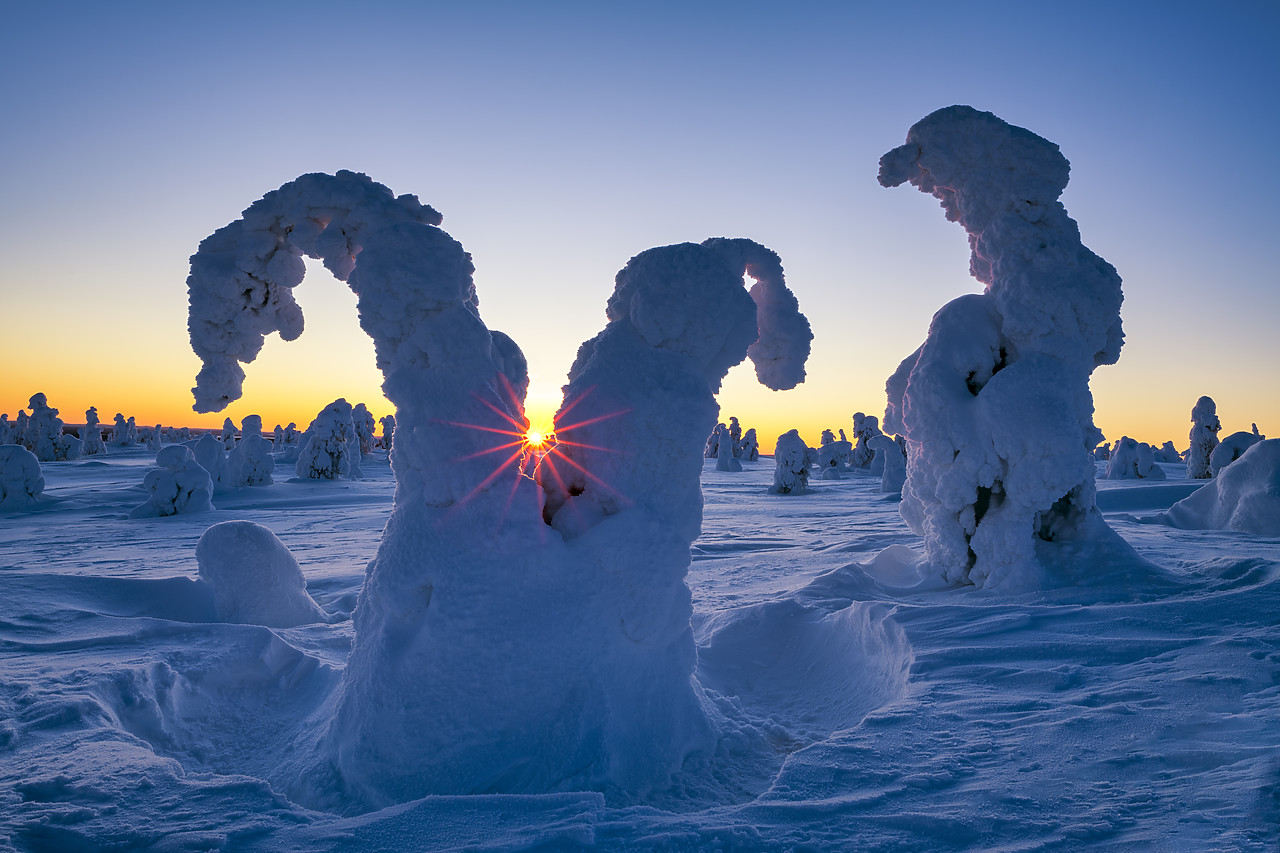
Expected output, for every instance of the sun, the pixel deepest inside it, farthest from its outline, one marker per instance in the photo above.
(535, 438)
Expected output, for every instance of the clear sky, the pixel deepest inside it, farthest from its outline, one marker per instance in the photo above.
(560, 139)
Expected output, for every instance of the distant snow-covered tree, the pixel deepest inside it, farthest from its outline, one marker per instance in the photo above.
(1204, 438)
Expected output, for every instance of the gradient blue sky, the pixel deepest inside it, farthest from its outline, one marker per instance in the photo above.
(560, 139)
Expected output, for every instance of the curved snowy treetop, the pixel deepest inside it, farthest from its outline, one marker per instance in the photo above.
(1002, 184)
(240, 286)
(653, 293)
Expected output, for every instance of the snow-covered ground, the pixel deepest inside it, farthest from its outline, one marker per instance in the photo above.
(1130, 706)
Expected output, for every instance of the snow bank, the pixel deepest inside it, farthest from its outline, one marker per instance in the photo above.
(1204, 438)
(518, 630)
(21, 481)
(1244, 496)
(179, 485)
(995, 404)
(254, 577)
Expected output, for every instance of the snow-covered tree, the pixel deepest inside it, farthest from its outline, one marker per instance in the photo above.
(711, 450)
(8, 432)
(124, 433)
(1204, 438)
(1232, 448)
(891, 462)
(179, 485)
(212, 457)
(21, 481)
(327, 454)
(91, 442)
(388, 423)
(228, 436)
(750, 450)
(725, 458)
(865, 428)
(1132, 460)
(791, 465)
(581, 631)
(365, 427)
(995, 405)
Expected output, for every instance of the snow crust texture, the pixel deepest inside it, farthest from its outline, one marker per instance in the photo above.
(525, 625)
(995, 405)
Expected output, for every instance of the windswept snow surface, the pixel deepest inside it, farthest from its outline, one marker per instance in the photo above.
(1136, 705)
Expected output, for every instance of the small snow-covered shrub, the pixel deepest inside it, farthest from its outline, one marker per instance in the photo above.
(1168, 453)
(254, 577)
(21, 481)
(179, 485)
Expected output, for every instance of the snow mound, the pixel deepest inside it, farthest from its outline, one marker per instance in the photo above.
(254, 577)
(1245, 496)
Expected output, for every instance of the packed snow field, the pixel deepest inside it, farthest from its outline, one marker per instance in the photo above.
(1132, 703)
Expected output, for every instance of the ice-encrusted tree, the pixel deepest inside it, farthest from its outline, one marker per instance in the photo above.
(328, 453)
(365, 427)
(891, 460)
(565, 591)
(865, 428)
(1232, 448)
(21, 480)
(91, 442)
(124, 433)
(43, 433)
(388, 423)
(1204, 438)
(726, 456)
(791, 465)
(1132, 460)
(995, 405)
(179, 484)
(750, 450)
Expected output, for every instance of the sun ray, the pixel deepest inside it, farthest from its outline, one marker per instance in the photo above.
(594, 420)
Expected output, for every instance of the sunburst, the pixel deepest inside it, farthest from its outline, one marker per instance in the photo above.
(526, 450)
